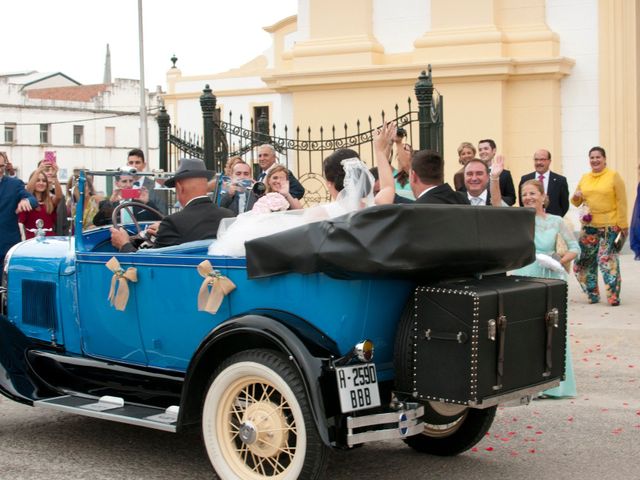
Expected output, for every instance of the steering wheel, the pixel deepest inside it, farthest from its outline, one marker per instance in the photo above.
(115, 216)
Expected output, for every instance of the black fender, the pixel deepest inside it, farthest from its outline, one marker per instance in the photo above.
(305, 345)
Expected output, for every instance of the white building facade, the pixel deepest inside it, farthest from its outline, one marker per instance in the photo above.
(87, 126)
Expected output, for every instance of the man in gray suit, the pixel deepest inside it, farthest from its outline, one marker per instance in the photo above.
(135, 159)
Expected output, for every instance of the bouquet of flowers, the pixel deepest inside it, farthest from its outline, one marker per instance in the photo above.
(584, 213)
(271, 202)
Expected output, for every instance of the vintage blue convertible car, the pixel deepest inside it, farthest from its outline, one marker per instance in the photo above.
(381, 324)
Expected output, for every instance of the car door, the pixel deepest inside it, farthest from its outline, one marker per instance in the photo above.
(106, 332)
(171, 326)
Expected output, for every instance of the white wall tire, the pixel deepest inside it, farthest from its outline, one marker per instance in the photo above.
(256, 421)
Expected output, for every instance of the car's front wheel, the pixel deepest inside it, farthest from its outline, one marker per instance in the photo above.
(257, 423)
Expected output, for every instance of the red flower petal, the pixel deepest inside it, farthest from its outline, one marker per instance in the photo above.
(570, 419)
(533, 450)
(538, 432)
(474, 449)
(489, 449)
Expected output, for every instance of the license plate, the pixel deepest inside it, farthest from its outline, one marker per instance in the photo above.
(358, 387)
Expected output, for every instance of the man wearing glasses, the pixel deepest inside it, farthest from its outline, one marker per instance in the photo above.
(13, 200)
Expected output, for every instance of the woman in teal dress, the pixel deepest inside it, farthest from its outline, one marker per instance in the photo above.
(549, 264)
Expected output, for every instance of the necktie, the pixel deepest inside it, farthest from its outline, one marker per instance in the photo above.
(242, 202)
(262, 176)
(476, 201)
(541, 178)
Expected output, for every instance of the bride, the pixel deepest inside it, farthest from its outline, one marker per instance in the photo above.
(351, 188)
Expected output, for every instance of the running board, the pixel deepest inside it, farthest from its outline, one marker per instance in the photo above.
(116, 410)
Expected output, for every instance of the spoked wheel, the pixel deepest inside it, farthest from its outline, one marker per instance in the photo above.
(256, 420)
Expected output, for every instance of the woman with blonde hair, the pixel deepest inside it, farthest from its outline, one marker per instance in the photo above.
(550, 263)
(91, 200)
(466, 152)
(40, 187)
(277, 191)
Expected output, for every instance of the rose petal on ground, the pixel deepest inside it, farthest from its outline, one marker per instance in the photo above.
(570, 419)
(604, 409)
(529, 427)
(539, 432)
(511, 434)
(513, 454)
(474, 449)
(533, 450)
(489, 449)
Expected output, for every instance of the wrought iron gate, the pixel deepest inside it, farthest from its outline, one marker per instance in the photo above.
(298, 149)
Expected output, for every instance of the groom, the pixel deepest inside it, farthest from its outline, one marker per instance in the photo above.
(426, 179)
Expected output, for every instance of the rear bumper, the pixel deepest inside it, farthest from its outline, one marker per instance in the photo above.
(401, 423)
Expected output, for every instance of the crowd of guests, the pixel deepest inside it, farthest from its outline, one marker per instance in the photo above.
(400, 176)
(42, 204)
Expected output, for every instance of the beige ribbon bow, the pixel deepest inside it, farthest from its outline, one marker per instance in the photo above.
(119, 295)
(210, 300)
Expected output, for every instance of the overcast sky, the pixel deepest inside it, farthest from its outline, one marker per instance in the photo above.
(70, 36)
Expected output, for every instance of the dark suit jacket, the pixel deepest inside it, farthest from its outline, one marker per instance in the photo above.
(233, 203)
(295, 187)
(11, 192)
(443, 194)
(199, 220)
(558, 192)
(507, 190)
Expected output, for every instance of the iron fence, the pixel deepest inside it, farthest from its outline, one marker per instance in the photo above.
(301, 149)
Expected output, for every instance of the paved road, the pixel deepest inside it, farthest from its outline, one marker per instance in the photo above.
(594, 436)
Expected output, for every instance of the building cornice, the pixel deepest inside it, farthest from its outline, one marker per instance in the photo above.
(475, 70)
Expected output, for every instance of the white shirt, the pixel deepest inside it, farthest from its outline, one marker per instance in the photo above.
(426, 190)
(479, 200)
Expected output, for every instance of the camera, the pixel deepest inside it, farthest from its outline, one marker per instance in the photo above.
(401, 132)
(258, 189)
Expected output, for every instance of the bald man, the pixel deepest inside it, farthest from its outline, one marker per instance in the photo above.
(198, 219)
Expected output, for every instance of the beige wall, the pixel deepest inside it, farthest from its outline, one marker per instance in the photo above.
(496, 62)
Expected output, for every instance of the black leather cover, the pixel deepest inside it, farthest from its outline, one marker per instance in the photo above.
(408, 241)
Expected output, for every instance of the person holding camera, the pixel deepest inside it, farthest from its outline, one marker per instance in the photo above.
(404, 152)
(239, 196)
(124, 192)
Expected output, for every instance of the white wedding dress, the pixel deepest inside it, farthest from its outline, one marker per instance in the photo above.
(234, 232)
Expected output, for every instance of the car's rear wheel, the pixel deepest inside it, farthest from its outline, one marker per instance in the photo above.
(451, 435)
(257, 423)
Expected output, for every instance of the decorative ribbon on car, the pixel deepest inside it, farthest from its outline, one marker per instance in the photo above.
(119, 291)
(210, 299)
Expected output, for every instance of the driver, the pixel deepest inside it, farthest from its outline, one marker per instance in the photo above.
(198, 219)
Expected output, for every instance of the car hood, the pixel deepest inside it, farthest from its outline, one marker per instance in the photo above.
(49, 255)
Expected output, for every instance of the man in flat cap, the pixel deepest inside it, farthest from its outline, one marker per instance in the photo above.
(199, 217)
